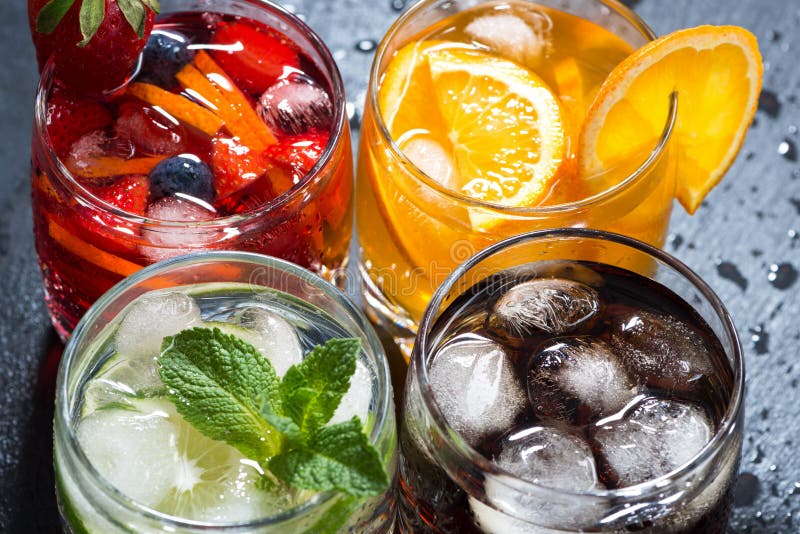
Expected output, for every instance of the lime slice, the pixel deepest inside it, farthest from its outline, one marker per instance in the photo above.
(152, 455)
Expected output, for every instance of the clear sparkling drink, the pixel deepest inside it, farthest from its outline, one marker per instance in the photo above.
(128, 458)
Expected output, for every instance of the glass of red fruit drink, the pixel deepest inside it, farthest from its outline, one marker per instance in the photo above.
(218, 125)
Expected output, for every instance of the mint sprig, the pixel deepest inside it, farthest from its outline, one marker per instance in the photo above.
(228, 391)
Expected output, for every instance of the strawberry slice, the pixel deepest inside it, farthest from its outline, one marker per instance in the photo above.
(235, 165)
(299, 153)
(109, 232)
(260, 57)
(70, 117)
(95, 44)
(128, 193)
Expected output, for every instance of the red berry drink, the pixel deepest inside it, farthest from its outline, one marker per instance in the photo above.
(190, 130)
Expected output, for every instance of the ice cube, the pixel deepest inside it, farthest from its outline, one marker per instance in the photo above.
(474, 384)
(295, 105)
(549, 457)
(95, 145)
(656, 437)
(524, 40)
(544, 306)
(577, 380)
(133, 450)
(357, 399)
(151, 318)
(169, 242)
(152, 129)
(275, 338)
(493, 521)
(663, 351)
(432, 159)
(546, 456)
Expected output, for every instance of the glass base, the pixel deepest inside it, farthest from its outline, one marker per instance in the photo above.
(389, 317)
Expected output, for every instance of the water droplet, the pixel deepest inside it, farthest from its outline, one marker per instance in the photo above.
(398, 5)
(773, 468)
(768, 103)
(676, 240)
(758, 455)
(366, 45)
(792, 129)
(782, 275)
(729, 271)
(759, 338)
(747, 490)
(787, 149)
(339, 54)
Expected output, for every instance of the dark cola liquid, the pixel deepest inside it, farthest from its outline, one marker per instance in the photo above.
(602, 311)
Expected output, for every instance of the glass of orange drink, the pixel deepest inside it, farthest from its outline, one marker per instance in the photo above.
(485, 120)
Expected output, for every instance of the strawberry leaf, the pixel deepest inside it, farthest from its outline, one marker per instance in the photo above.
(51, 14)
(152, 5)
(135, 13)
(92, 14)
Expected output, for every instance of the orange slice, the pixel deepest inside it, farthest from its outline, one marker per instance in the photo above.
(716, 71)
(178, 106)
(494, 130)
(90, 253)
(107, 166)
(231, 93)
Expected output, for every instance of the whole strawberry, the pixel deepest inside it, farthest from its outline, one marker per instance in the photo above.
(95, 44)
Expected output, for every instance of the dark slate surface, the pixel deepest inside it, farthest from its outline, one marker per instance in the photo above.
(745, 241)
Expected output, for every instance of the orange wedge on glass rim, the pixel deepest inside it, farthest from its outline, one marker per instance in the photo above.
(716, 72)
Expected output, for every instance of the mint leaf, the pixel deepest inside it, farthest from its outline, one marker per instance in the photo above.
(135, 13)
(219, 384)
(91, 17)
(311, 390)
(337, 457)
(284, 425)
(51, 15)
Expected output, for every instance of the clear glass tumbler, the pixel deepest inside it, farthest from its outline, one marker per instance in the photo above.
(413, 231)
(86, 245)
(445, 484)
(221, 283)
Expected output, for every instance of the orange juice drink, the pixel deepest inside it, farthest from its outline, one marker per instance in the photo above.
(490, 120)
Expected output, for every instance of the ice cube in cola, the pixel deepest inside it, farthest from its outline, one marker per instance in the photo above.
(624, 383)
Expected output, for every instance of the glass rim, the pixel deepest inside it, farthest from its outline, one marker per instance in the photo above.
(418, 174)
(373, 347)
(338, 99)
(466, 453)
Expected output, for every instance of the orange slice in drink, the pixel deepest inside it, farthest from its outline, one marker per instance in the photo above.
(480, 125)
(716, 72)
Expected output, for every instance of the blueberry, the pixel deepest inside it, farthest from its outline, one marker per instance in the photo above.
(185, 174)
(165, 54)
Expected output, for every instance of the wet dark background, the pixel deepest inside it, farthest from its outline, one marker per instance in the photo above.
(744, 240)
